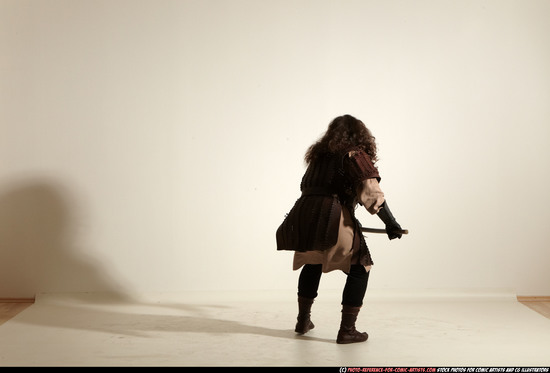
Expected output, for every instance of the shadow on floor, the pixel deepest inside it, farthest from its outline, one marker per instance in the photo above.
(141, 319)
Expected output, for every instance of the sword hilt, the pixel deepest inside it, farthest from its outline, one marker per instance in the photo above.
(381, 230)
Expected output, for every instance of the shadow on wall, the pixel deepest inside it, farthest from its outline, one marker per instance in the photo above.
(38, 253)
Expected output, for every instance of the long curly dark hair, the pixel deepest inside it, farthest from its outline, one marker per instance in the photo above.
(344, 133)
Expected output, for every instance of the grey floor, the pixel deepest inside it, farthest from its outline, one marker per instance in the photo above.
(256, 329)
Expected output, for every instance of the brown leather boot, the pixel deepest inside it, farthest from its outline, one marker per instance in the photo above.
(304, 323)
(347, 332)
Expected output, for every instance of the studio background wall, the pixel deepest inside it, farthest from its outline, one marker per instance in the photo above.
(157, 145)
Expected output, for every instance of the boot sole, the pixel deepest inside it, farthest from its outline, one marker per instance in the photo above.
(349, 342)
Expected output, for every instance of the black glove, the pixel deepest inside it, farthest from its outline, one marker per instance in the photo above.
(392, 227)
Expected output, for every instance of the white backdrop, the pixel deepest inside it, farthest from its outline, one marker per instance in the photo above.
(157, 145)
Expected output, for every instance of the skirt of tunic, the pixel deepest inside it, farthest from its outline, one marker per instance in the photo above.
(346, 250)
(340, 256)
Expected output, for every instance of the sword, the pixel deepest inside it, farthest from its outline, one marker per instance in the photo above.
(381, 230)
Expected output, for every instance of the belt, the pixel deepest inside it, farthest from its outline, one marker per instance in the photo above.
(316, 191)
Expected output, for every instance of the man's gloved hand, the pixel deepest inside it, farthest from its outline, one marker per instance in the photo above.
(392, 227)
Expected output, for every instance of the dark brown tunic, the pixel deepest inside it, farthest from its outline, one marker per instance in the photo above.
(321, 227)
